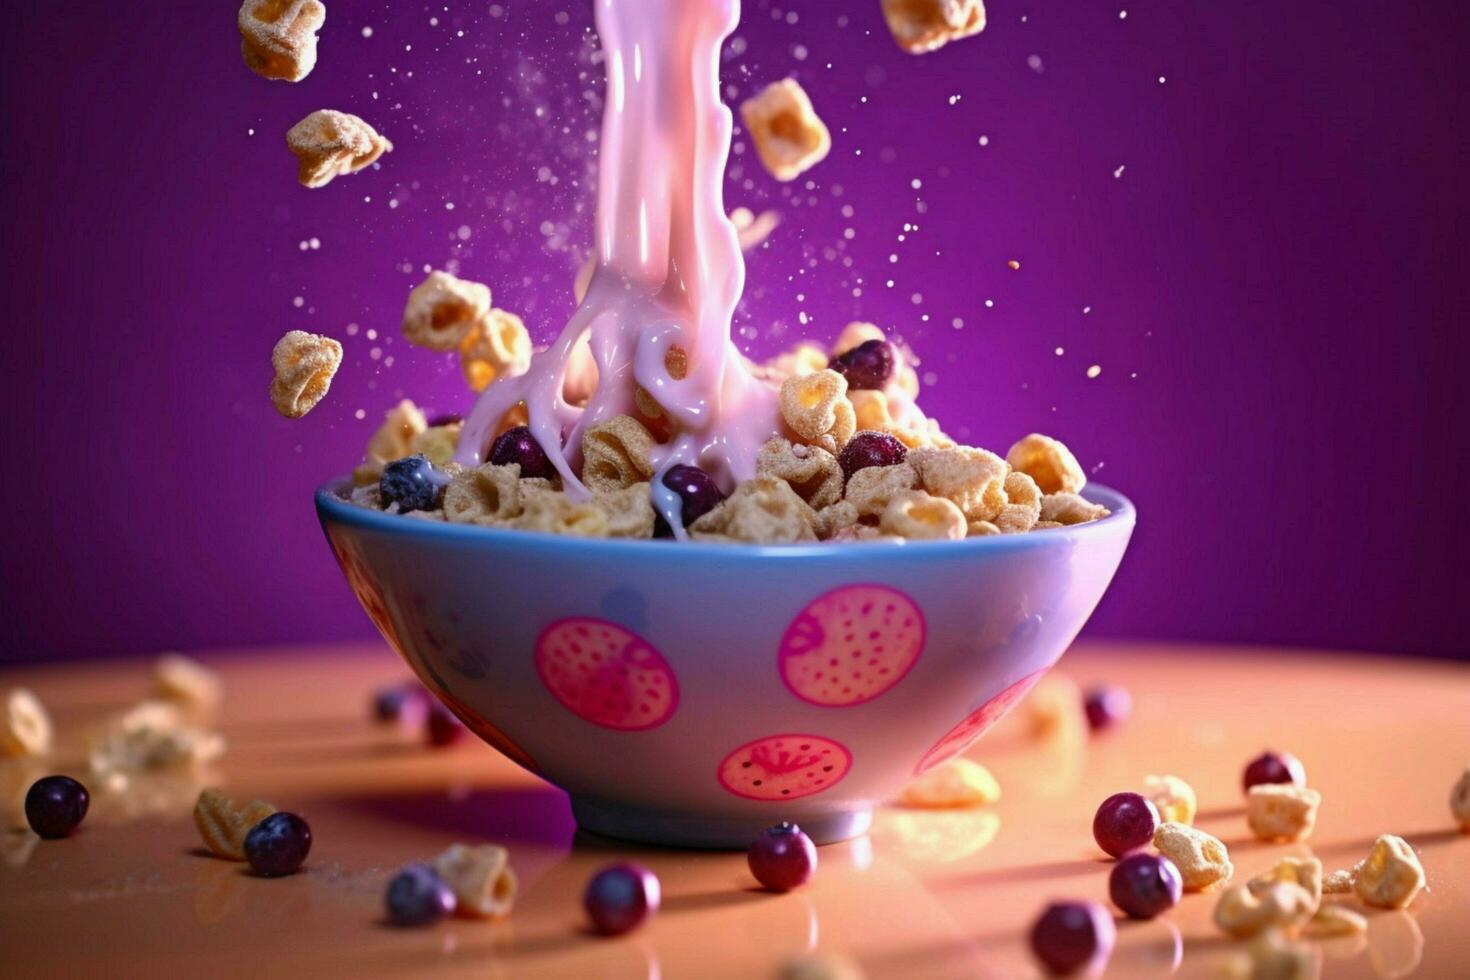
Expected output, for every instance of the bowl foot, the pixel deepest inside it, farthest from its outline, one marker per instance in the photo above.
(673, 828)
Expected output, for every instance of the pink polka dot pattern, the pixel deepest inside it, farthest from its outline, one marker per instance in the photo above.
(977, 723)
(606, 675)
(851, 644)
(784, 767)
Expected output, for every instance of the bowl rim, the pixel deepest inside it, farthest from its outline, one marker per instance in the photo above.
(333, 507)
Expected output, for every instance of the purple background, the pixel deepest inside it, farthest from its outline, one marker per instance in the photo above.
(1251, 215)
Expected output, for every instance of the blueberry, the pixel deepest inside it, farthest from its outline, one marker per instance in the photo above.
(1273, 767)
(1107, 706)
(55, 806)
(1071, 935)
(401, 702)
(1145, 885)
(278, 845)
(412, 483)
(441, 727)
(870, 448)
(782, 857)
(867, 367)
(417, 896)
(519, 446)
(620, 898)
(1125, 822)
(697, 492)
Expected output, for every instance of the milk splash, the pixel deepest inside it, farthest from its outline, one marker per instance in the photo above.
(669, 267)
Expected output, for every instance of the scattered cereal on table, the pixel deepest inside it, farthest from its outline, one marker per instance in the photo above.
(1339, 882)
(957, 783)
(328, 144)
(1282, 811)
(304, 365)
(223, 823)
(1173, 797)
(443, 310)
(481, 878)
(1390, 876)
(1334, 920)
(25, 727)
(1243, 911)
(188, 682)
(1460, 801)
(1202, 859)
(1304, 872)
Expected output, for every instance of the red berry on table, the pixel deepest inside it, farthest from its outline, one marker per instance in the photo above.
(1107, 705)
(56, 805)
(1125, 822)
(782, 857)
(1145, 885)
(1273, 767)
(1072, 935)
(621, 897)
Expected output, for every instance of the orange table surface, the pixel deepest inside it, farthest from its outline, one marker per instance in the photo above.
(925, 894)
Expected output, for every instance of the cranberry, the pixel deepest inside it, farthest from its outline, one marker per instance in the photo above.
(870, 449)
(782, 857)
(1071, 935)
(401, 702)
(519, 446)
(1124, 822)
(867, 367)
(696, 489)
(621, 897)
(1274, 767)
(1145, 885)
(56, 805)
(417, 896)
(278, 845)
(1107, 705)
(441, 727)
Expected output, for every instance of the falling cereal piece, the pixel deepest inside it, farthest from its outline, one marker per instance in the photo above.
(1014, 264)
(443, 310)
(788, 135)
(498, 346)
(280, 37)
(956, 783)
(329, 143)
(305, 364)
(921, 26)
(752, 229)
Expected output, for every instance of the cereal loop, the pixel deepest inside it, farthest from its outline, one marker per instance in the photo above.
(761, 511)
(25, 727)
(442, 311)
(1068, 508)
(788, 135)
(973, 479)
(279, 37)
(394, 439)
(921, 26)
(1202, 859)
(497, 346)
(870, 489)
(1172, 797)
(481, 878)
(1023, 505)
(1048, 462)
(1390, 876)
(1282, 811)
(304, 365)
(487, 495)
(816, 409)
(856, 333)
(915, 515)
(616, 454)
(328, 144)
(813, 473)
(629, 511)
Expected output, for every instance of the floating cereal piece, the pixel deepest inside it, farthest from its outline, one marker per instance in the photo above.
(223, 823)
(916, 516)
(1069, 508)
(443, 310)
(1048, 462)
(784, 127)
(973, 479)
(813, 473)
(616, 454)
(25, 727)
(871, 488)
(956, 783)
(329, 143)
(850, 645)
(1460, 801)
(921, 26)
(188, 682)
(1281, 811)
(487, 495)
(816, 409)
(854, 334)
(1202, 860)
(305, 364)
(1023, 505)
(437, 444)
(1304, 872)
(1391, 875)
(753, 229)
(1172, 797)
(1280, 905)
(481, 878)
(764, 510)
(497, 346)
(606, 675)
(279, 37)
(629, 511)
(1335, 920)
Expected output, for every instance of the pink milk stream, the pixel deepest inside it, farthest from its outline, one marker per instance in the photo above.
(669, 267)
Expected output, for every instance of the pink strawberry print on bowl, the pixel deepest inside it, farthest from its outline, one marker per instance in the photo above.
(605, 674)
(851, 644)
(976, 723)
(784, 767)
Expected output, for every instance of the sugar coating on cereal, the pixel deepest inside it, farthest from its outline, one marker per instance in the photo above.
(481, 878)
(304, 365)
(279, 37)
(25, 727)
(816, 410)
(916, 516)
(1390, 876)
(871, 489)
(788, 135)
(811, 471)
(921, 26)
(1065, 509)
(1049, 462)
(328, 144)
(764, 510)
(498, 345)
(394, 439)
(1243, 911)
(1172, 797)
(616, 454)
(973, 479)
(1282, 811)
(1303, 872)
(1202, 859)
(956, 783)
(442, 310)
